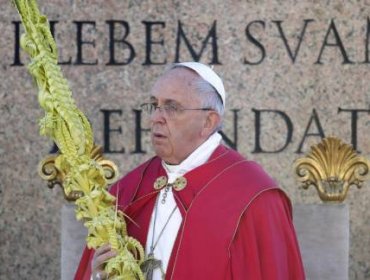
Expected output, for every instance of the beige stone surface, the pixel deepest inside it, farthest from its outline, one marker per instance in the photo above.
(30, 212)
(73, 235)
(323, 236)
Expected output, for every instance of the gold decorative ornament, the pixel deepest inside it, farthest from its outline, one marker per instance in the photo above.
(180, 183)
(79, 166)
(332, 167)
(55, 177)
(160, 182)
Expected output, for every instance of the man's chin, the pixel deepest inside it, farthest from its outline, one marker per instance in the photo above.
(160, 152)
(163, 154)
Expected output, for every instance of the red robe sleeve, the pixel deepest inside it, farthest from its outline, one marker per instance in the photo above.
(265, 245)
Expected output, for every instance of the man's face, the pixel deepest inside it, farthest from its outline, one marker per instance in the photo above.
(176, 137)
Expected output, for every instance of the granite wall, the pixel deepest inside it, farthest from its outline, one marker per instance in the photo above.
(294, 72)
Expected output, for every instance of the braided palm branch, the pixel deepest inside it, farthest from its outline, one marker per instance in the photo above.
(68, 127)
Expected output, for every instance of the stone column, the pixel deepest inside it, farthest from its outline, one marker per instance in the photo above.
(323, 235)
(72, 241)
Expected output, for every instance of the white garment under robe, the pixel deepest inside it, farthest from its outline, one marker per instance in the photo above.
(165, 243)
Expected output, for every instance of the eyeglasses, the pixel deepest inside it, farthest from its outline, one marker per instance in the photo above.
(169, 110)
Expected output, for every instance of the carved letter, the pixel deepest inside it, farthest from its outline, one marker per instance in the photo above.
(337, 44)
(80, 42)
(17, 57)
(354, 117)
(231, 144)
(108, 130)
(289, 125)
(212, 35)
(315, 118)
(138, 130)
(255, 42)
(149, 41)
(292, 55)
(126, 45)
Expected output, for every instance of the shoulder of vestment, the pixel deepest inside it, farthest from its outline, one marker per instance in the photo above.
(240, 171)
(128, 183)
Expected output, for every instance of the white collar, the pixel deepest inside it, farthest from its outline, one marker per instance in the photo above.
(199, 156)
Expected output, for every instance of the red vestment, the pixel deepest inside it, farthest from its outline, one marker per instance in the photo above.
(237, 224)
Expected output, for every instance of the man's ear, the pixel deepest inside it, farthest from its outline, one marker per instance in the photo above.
(212, 121)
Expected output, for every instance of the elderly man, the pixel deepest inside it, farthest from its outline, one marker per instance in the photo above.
(201, 210)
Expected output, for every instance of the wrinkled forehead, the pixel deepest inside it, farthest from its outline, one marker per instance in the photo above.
(177, 84)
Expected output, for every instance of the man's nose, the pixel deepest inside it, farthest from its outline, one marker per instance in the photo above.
(157, 115)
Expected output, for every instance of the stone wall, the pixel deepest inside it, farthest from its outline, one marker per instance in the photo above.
(294, 71)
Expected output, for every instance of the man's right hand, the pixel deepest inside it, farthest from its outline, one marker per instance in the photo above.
(101, 256)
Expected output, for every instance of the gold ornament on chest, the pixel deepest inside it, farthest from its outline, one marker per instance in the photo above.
(179, 184)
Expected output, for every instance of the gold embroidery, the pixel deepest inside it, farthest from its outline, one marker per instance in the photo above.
(160, 182)
(180, 183)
